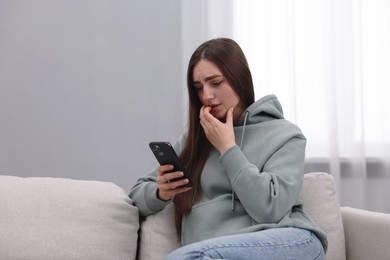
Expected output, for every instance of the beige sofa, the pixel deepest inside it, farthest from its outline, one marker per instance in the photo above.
(54, 218)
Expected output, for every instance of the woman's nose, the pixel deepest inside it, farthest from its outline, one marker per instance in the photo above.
(208, 93)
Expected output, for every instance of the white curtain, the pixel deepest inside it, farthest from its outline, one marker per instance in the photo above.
(328, 61)
(203, 20)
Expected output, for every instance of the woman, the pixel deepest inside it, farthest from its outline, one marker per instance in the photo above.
(245, 200)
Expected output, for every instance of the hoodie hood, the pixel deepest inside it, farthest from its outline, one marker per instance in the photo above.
(263, 110)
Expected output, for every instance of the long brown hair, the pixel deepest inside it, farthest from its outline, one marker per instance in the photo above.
(227, 55)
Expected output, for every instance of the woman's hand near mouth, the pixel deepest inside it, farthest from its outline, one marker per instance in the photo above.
(220, 135)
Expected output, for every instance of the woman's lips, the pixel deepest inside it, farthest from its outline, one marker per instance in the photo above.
(213, 107)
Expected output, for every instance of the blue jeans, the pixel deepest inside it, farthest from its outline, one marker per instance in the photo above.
(277, 243)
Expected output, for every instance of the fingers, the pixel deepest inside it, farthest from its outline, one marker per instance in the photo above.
(220, 135)
(229, 116)
(163, 169)
(171, 180)
(170, 190)
(168, 187)
(164, 177)
(206, 116)
(207, 120)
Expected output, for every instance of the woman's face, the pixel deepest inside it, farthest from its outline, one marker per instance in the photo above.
(214, 91)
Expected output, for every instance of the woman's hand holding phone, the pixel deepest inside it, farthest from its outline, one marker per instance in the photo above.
(168, 183)
(171, 175)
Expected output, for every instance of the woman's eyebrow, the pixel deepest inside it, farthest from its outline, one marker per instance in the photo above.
(212, 77)
(208, 78)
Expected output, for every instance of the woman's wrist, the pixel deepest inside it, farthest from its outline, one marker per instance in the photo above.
(223, 149)
(160, 198)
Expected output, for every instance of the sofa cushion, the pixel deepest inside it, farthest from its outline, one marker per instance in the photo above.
(158, 235)
(321, 204)
(54, 218)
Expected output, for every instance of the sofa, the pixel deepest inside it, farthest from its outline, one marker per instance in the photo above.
(58, 218)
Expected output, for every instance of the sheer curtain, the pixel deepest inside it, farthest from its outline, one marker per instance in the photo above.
(329, 64)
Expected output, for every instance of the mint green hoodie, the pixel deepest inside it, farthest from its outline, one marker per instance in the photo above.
(251, 187)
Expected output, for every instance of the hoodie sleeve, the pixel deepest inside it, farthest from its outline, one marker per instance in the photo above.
(144, 195)
(267, 194)
(144, 192)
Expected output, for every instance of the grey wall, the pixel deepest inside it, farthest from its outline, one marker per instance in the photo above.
(86, 84)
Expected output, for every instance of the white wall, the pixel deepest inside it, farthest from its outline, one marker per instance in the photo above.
(86, 84)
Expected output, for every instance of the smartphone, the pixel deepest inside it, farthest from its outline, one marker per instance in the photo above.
(165, 154)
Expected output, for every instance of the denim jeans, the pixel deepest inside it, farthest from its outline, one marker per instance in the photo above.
(277, 243)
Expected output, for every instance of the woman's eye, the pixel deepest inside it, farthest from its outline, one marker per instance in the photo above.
(198, 88)
(216, 84)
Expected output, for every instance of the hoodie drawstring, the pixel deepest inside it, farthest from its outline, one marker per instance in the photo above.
(243, 129)
(241, 142)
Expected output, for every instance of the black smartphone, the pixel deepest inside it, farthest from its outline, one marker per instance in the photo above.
(165, 154)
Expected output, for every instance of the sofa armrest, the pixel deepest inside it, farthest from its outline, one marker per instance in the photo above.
(367, 234)
(56, 218)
